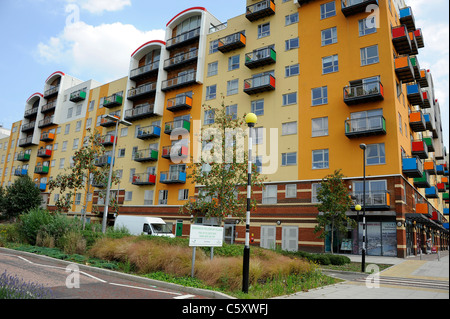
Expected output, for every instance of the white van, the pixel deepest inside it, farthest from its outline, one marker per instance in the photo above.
(138, 225)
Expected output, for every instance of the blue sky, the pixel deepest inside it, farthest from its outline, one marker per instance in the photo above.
(40, 37)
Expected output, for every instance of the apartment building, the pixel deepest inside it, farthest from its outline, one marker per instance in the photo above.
(322, 76)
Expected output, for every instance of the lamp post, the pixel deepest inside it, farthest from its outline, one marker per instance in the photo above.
(363, 257)
(108, 186)
(250, 119)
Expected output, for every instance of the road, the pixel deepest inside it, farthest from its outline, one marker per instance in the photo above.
(72, 283)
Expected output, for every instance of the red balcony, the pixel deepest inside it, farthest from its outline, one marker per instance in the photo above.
(419, 38)
(401, 40)
(419, 149)
(44, 152)
(144, 179)
(426, 100)
(259, 83)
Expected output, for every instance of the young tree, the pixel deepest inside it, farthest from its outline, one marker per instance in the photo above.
(20, 197)
(334, 202)
(81, 175)
(222, 169)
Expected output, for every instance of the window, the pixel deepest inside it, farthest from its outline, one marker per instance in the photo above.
(269, 195)
(320, 126)
(231, 110)
(183, 194)
(329, 36)
(211, 92)
(288, 159)
(314, 190)
(77, 198)
(233, 62)
(258, 163)
(61, 163)
(78, 126)
(289, 128)
(258, 135)
(88, 123)
(64, 146)
(162, 198)
(75, 143)
(320, 159)
(67, 129)
(369, 55)
(291, 190)
(132, 173)
(209, 117)
(213, 68)
(292, 44)
(148, 197)
(375, 192)
(124, 131)
(330, 64)
(291, 19)
(367, 26)
(400, 123)
(121, 152)
(290, 98)
(69, 112)
(91, 106)
(257, 107)
(78, 110)
(263, 30)
(319, 96)
(375, 154)
(232, 87)
(327, 10)
(128, 196)
(213, 46)
(292, 70)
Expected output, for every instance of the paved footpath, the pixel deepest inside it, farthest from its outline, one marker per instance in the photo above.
(423, 277)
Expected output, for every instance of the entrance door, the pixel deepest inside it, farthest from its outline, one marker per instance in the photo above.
(268, 234)
(228, 233)
(289, 238)
(179, 229)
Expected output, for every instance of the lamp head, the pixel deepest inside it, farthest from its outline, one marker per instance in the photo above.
(362, 146)
(358, 207)
(251, 119)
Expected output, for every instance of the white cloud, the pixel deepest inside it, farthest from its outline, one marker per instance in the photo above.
(98, 6)
(99, 52)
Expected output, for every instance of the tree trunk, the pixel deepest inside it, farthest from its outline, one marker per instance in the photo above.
(332, 239)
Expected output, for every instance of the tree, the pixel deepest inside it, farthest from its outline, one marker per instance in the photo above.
(222, 169)
(81, 174)
(20, 197)
(334, 202)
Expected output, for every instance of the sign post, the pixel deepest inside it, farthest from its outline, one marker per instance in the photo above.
(204, 236)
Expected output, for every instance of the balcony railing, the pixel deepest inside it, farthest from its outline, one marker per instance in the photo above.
(106, 122)
(426, 100)
(31, 112)
(179, 103)
(27, 141)
(148, 132)
(419, 38)
(179, 81)
(407, 18)
(44, 152)
(178, 125)
(423, 80)
(232, 42)
(412, 167)
(414, 94)
(417, 121)
(28, 126)
(148, 155)
(183, 39)
(139, 112)
(24, 156)
(430, 143)
(103, 160)
(144, 71)
(367, 126)
(430, 167)
(401, 40)
(175, 152)
(78, 96)
(259, 83)
(260, 10)
(350, 7)
(41, 169)
(142, 91)
(431, 192)
(107, 140)
(48, 107)
(374, 200)
(113, 101)
(144, 179)
(260, 57)
(47, 121)
(47, 137)
(181, 59)
(404, 69)
(51, 92)
(420, 149)
(363, 93)
(20, 171)
(172, 177)
(422, 182)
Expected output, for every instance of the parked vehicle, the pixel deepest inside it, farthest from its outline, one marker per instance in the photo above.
(138, 225)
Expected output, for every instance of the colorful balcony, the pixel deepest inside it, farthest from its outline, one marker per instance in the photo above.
(179, 103)
(148, 155)
(416, 67)
(147, 132)
(77, 96)
(414, 94)
(41, 169)
(103, 160)
(260, 10)
(260, 57)
(144, 179)
(144, 72)
(31, 112)
(48, 107)
(232, 42)
(437, 217)
(431, 192)
(41, 186)
(417, 121)
(380, 200)
(112, 101)
(401, 40)
(414, 46)
(179, 81)
(47, 137)
(175, 152)
(181, 60)
(430, 124)
(20, 172)
(404, 69)
(44, 153)
(368, 126)
(142, 91)
(423, 80)
(180, 127)
(440, 169)
(441, 187)
(412, 167)
(419, 38)
(363, 93)
(430, 143)
(426, 100)
(259, 83)
(107, 140)
(445, 181)
(350, 7)
(183, 39)
(422, 182)
(139, 112)
(445, 197)
(423, 208)
(24, 156)
(430, 167)
(106, 122)
(175, 177)
(407, 18)
(446, 211)
(420, 149)
(47, 121)
(28, 126)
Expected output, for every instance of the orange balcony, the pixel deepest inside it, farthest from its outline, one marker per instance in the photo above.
(47, 137)
(179, 103)
(417, 121)
(414, 46)
(404, 69)
(430, 167)
(232, 42)
(422, 208)
(423, 79)
(260, 10)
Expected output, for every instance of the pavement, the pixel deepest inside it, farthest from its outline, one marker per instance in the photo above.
(419, 277)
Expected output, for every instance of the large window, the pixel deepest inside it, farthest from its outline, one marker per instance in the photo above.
(320, 159)
(319, 96)
(319, 126)
(369, 55)
(327, 10)
(257, 107)
(288, 159)
(269, 195)
(329, 36)
(330, 64)
(375, 154)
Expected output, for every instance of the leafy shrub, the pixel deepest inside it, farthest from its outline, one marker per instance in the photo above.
(339, 260)
(32, 222)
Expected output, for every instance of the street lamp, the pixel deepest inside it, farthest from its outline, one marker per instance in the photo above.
(108, 186)
(363, 258)
(250, 119)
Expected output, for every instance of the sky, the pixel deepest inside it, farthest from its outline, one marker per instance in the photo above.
(93, 39)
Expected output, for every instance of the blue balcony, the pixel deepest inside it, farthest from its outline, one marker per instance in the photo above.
(440, 169)
(431, 192)
(168, 177)
(407, 18)
(412, 167)
(414, 94)
(446, 211)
